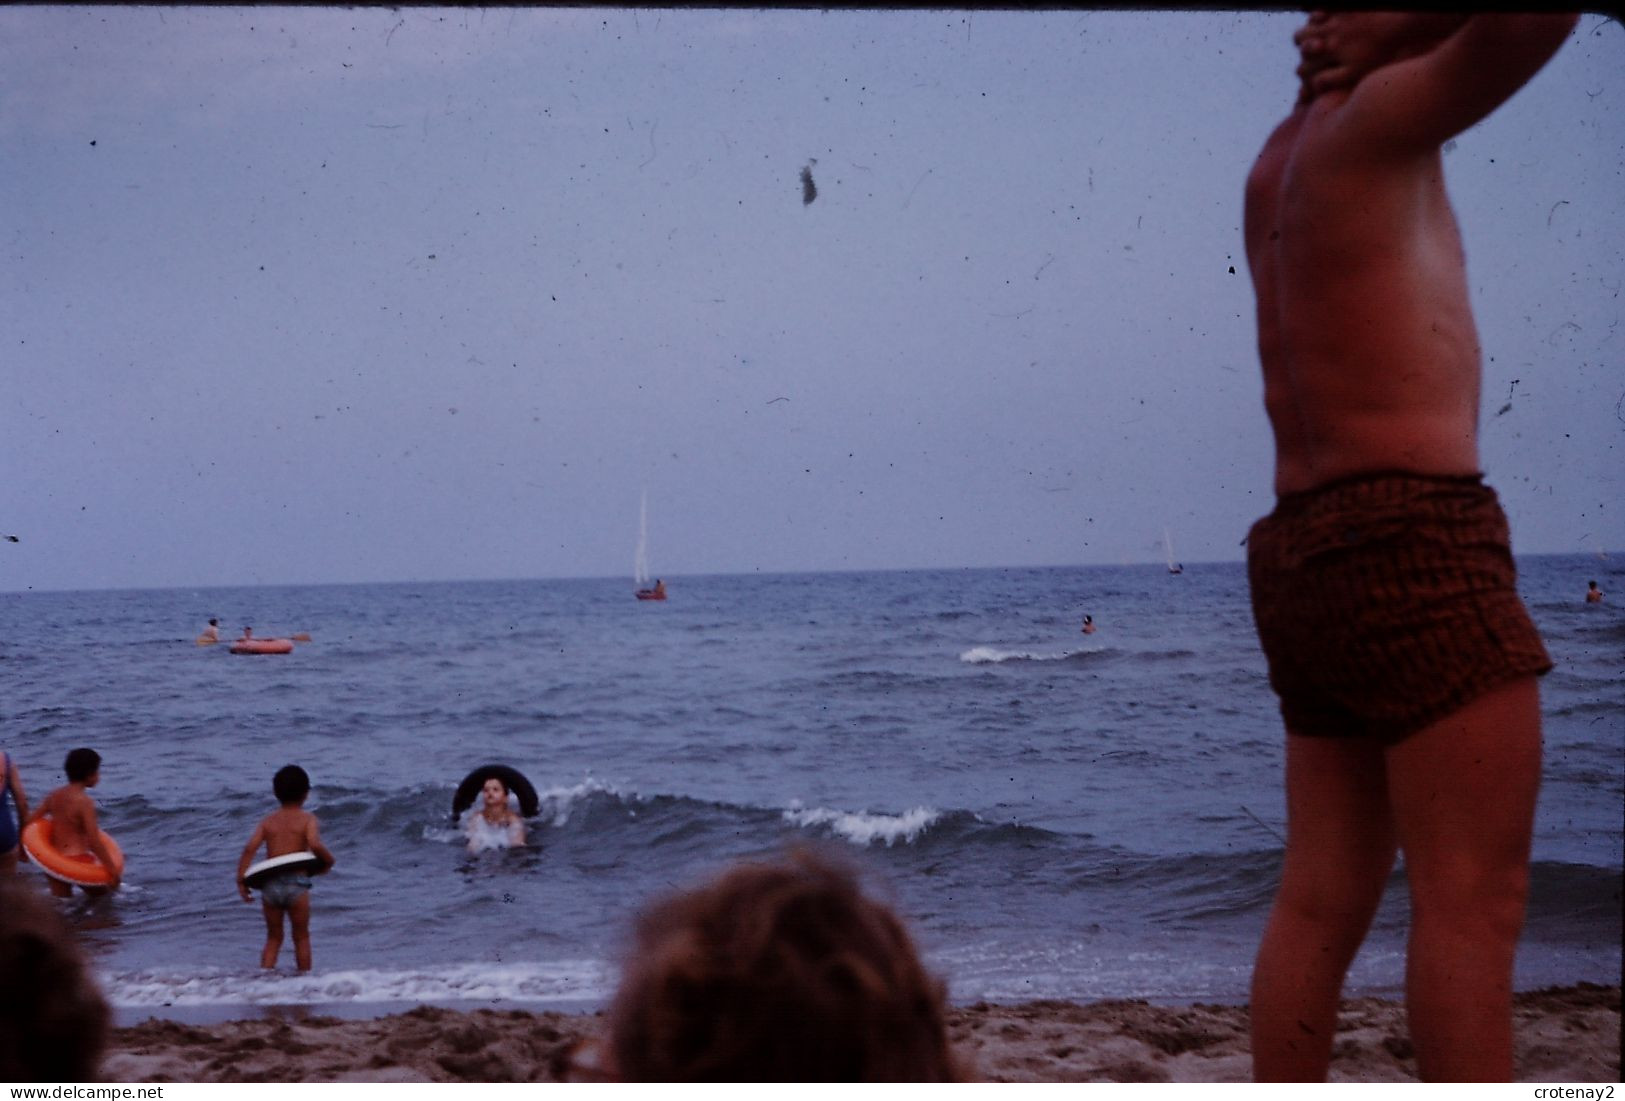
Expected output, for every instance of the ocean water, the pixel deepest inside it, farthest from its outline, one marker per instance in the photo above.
(1056, 815)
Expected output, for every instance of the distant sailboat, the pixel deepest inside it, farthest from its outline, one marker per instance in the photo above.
(640, 564)
(1168, 553)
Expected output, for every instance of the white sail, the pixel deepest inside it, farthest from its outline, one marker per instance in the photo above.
(640, 564)
(1168, 553)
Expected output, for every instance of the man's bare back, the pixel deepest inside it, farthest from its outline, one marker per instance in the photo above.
(1370, 355)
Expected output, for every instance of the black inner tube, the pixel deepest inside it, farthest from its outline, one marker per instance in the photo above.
(469, 789)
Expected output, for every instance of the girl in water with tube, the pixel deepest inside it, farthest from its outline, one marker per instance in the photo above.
(494, 824)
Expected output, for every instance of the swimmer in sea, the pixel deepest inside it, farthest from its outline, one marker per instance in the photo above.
(494, 825)
(1088, 624)
(1593, 594)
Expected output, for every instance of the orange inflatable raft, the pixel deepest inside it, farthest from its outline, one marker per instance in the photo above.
(262, 646)
(82, 870)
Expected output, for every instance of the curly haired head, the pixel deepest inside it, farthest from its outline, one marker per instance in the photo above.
(780, 971)
(53, 1020)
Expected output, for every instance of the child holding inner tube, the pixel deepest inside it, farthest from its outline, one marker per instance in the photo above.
(75, 832)
(288, 829)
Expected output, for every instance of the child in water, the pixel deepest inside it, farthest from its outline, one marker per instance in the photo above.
(494, 825)
(288, 829)
(74, 829)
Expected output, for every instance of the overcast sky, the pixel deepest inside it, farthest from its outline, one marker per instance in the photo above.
(311, 295)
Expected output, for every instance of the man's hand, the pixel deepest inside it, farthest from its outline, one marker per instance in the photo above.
(242, 889)
(1339, 49)
(1319, 68)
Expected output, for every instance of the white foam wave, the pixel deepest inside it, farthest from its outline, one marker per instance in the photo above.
(992, 655)
(558, 980)
(862, 828)
(558, 802)
(482, 835)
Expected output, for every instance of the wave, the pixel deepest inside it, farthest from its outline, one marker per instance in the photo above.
(507, 980)
(1573, 898)
(596, 805)
(611, 817)
(862, 828)
(992, 655)
(1606, 708)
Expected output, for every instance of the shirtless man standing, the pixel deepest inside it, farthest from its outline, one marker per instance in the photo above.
(1383, 582)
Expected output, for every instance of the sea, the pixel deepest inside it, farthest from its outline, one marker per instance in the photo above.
(1056, 815)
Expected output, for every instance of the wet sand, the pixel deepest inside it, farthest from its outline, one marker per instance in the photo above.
(1565, 1034)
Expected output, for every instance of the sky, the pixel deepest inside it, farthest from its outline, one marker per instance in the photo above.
(305, 295)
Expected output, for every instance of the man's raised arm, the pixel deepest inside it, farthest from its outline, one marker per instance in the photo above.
(1445, 82)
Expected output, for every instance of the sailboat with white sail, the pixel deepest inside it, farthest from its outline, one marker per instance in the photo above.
(1168, 553)
(640, 563)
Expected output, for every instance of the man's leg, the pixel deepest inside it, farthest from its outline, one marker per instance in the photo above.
(1463, 792)
(1339, 853)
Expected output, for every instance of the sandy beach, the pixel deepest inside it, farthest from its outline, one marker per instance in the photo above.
(1565, 1034)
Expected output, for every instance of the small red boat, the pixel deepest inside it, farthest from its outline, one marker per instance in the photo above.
(262, 646)
(656, 593)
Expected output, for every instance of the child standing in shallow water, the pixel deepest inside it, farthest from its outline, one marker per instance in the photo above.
(288, 829)
(75, 831)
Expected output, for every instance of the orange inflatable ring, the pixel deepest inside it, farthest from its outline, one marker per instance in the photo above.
(262, 646)
(83, 870)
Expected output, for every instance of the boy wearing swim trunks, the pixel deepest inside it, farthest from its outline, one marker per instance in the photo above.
(1383, 583)
(75, 831)
(288, 829)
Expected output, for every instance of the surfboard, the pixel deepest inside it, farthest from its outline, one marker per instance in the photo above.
(257, 874)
